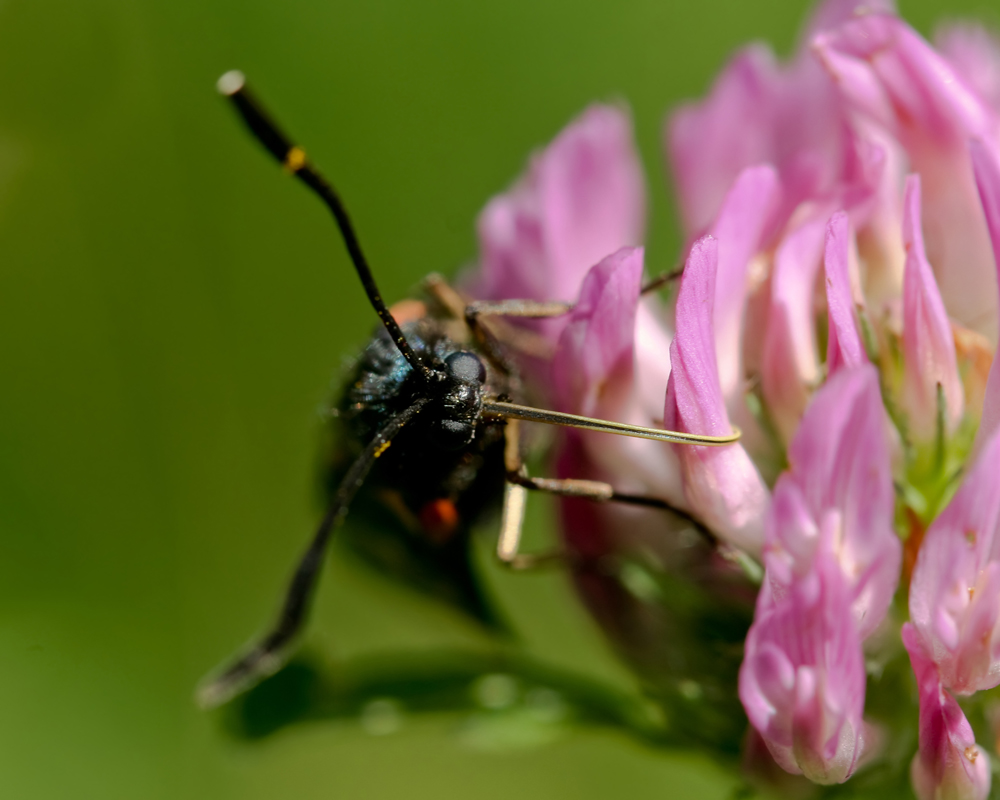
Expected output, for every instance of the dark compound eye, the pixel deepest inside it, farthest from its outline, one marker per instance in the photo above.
(465, 367)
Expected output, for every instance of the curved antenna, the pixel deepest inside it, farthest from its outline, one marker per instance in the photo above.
(603, 426)
(271, 651)
(293, 158)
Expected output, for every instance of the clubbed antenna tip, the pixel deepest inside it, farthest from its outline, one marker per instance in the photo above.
(230, 83)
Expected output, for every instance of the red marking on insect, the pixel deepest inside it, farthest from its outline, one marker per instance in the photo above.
(439, 519)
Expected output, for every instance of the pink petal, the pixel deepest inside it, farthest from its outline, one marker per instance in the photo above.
(840, 461)
(790, 364)
(646, 467)
(956, 580)
(802, 681)
(515, 261)
(855, 78)
(791, 539)
(948, 764)
(721, 484)
(875, 208)
(844, 346)
(582, 199)
(928, 341)
(758, 112)
(974, 54)
(739, 228)
(921, 86)
(890, 76)
(986, 165)
(594, 354)
(833, 13)
(832, 564)
(652, 356)
(594, 373)
(711, 142)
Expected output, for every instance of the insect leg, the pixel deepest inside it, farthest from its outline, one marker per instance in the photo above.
(527, 309)
(514, 501)
(487, 334)
(605, 493)
(483, 320)
(519, 483)
(473, 313)
(661, 280)
(271, 651)
(484, 317)
(525, 341)
(453, 301)
(457, 305)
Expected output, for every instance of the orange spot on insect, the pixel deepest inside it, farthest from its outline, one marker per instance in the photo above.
(408, 310)
(439, 519)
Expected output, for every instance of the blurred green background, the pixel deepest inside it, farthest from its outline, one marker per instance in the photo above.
(172, 313)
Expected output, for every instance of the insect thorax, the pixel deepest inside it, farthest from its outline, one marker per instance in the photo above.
(423, 465)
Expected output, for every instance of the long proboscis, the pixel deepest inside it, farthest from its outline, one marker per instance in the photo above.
(293, 158)
(271, 651)
(530, 414)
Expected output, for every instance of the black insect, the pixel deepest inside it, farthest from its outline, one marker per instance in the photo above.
(429, 427)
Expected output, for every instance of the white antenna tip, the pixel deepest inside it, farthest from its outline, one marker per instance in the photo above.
(230, 83)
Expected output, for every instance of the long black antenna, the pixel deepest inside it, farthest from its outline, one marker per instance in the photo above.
(271, 651)
(293, 158)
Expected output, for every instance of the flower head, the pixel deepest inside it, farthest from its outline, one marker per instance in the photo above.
(839, 303)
